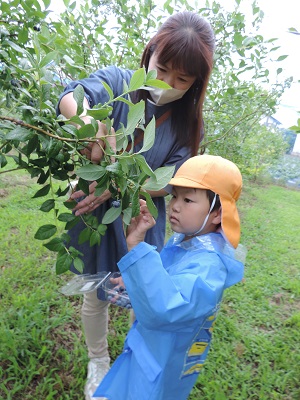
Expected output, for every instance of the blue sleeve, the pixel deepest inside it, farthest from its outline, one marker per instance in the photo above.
(93, 87)
(160, 299)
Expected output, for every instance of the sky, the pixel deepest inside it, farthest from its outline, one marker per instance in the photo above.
(279, 17)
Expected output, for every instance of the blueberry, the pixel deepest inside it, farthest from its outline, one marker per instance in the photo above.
(116, 203)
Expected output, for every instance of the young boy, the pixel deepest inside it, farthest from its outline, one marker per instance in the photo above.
(176, 294)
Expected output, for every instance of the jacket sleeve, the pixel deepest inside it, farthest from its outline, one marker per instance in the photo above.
(160, 299)
(94, 90)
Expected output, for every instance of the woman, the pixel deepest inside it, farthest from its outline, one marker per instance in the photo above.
(182, 54)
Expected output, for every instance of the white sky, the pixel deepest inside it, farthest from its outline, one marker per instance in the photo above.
(279, 17)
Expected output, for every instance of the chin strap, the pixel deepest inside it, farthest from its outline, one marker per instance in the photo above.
(206, 218)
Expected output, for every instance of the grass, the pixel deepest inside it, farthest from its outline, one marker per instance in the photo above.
(255, 350)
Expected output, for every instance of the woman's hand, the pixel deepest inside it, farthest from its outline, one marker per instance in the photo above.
(95, 151)
(90, 202)
(139, 225)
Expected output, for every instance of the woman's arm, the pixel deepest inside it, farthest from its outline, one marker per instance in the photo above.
(68, 108)
(68, 105)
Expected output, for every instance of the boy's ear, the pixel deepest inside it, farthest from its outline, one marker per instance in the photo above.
(217, 216)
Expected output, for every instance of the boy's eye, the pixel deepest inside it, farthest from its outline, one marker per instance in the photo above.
(188, 200)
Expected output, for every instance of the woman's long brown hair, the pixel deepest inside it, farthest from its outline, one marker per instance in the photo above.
(187, 41)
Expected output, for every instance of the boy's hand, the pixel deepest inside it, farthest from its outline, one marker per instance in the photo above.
(139, 226)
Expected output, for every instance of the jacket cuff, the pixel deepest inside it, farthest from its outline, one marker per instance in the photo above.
(134, 255)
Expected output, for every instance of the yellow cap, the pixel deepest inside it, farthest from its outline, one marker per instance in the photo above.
(220, 176)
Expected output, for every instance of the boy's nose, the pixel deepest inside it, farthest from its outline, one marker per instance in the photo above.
(175, 206)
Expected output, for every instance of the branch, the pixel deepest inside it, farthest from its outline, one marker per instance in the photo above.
(36, 128)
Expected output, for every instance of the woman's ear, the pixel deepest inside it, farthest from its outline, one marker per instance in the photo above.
(217, 216)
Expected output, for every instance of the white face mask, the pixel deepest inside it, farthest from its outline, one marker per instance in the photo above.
(165, 96)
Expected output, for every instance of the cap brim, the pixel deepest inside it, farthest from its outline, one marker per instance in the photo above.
(185, 182)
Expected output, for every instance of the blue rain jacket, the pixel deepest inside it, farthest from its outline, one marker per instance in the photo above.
(175, 296)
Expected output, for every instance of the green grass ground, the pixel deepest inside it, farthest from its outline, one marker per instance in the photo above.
(255, 351)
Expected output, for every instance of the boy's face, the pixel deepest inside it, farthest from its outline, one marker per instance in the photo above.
(188, 209)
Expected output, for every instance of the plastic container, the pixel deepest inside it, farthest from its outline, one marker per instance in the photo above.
(86, 283)
(114, 293)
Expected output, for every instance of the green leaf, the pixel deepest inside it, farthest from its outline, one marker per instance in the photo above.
(47, 205)
(63, 263)
(122, 184)
(16, 47)
(151, 206)
(76, 120)
(53, 55)
(91, 172)
(56, 244)
(135, 115)
(151, 75)
(102, 229)
(19, 133)
(45, 232)
(42, 192)
(70, 204)
(127, 215)
(137, 80)
(70, 130)
(84, 186)
(99, 190)
(72, 223)
(99, 113)
(163, 176)
(95, 238)
(85, 131)
(281, 58)
(142, 163)
(54, 148)
(3, 161)
(108, 89)
(149, 136)
(157, 83)
(84, 235)
(115, 168)
(111, 215)
(66, 217)
(135, 203)
(123, 100)
(79, 264)
(78, 95)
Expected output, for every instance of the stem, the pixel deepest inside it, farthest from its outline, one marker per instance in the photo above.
(11, 170)
(36, 128)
